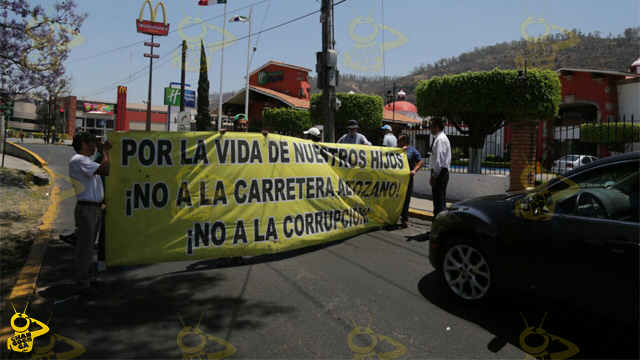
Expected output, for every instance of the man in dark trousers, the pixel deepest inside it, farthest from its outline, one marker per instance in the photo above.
(439, 163)
(88, 212)
(415, 163)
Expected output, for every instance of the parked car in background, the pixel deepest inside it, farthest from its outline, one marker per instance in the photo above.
(570, 162)
(575, 238)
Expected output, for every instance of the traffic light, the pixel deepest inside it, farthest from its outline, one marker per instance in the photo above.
(61, 110)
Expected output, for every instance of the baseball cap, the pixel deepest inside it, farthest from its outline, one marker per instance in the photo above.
(81, 136)
(240, 116)
(352, 124)
(386, 127)
(313, 131)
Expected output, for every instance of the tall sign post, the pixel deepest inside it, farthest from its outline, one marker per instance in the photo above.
(121, 109)
(152, 28)
(6, 110)
(326, 67)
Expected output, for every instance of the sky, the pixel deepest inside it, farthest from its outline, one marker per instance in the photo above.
(110, 51)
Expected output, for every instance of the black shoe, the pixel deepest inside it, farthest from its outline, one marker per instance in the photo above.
(405, 224)
(69, 239)
(86, 292)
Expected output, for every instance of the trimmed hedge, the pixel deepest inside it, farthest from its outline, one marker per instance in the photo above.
(610, 133)
(286, 120)
(366, 109)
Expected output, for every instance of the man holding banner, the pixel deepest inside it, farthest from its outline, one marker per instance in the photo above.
(88, 212)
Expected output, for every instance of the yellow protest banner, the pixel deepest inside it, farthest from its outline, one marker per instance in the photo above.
(190, 196)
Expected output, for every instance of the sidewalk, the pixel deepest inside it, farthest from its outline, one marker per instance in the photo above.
(34, 141)
(39, 176)
(422, 208)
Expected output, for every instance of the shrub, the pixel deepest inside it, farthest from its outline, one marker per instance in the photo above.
(366, 109)
(456, 153)
(615, 136)
(286, 120)
(38, 135)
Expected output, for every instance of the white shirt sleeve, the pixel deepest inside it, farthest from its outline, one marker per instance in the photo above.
(84, 166)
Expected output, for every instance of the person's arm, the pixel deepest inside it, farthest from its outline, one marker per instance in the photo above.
(437, 164)
(418, 165)
(341, 139)
(364, 140)
(105, 167)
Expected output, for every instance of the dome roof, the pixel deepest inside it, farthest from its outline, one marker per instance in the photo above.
(402, 106)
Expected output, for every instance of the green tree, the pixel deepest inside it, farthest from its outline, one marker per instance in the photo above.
(367, 109)
(484, 100)
(285, 120)
(203, 118)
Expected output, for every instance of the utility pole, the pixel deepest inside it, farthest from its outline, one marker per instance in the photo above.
(224, 35)
(182, 75)
(328, 75)
(393, 121)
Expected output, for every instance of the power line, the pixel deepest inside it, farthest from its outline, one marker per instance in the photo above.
(148, 39)
(122, 82)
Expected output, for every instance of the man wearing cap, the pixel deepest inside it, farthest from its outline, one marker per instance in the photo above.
(313, 134)
(240, 124)
(389, 140)
(88, 210)
(353, 137)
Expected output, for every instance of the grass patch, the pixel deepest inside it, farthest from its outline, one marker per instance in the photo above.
(23, 206)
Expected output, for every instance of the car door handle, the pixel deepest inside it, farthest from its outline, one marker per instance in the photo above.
(618, 246)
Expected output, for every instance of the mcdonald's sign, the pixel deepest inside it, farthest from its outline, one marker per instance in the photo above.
(122, 90)
(152, 27)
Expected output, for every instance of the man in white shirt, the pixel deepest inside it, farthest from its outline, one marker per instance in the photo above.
(88, 211)
(439, 163)
(389, 139)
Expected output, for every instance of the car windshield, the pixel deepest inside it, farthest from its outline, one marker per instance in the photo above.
(570, 158)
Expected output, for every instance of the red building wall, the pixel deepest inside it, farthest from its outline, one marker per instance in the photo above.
(292, 81)
(587, 90)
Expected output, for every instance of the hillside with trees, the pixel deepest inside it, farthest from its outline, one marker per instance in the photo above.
(592, 51)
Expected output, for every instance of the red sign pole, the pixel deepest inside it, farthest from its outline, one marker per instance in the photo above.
(121, 108)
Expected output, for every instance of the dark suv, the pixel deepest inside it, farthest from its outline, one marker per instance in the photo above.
(575, 238)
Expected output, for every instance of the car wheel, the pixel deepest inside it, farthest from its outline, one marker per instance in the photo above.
(466, 270)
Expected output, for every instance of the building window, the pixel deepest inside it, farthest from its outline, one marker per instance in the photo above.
(90, 123)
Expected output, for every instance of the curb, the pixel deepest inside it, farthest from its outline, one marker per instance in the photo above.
(421, 214)
(25, 284)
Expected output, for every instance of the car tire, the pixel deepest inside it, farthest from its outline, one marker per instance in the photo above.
(466, 270)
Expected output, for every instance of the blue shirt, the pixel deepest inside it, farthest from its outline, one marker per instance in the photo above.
(413, 156)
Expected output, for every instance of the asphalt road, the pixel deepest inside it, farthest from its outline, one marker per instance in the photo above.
(323, 302)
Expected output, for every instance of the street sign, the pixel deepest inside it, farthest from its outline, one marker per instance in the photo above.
(102, 123)
(146, 43)
(172, 97)
(155, 56)
(184, 121)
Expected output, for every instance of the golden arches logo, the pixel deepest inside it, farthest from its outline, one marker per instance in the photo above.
(154, 11)
(122, 89)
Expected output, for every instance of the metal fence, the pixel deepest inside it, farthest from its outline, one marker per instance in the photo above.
(495, 153)
(561, 144)
(572, 140)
